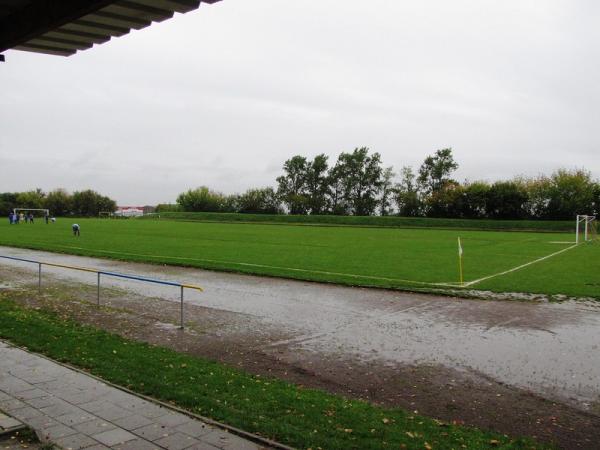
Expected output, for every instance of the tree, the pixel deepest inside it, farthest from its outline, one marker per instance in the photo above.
(563, 195)
(201, 199)
(317, 184)
(538, 196)
(357, 177)
(337, 187)
(59, 202)
(231, 203)
(106, 204)
(387, 190)
(31, 199)
(474, 200)
(292, 185)
(435, 171)
(506, 200)
(446, 201)
(407, 194)
(91, 203)
(570, 193)
(259, 201)
(8, 201)
(597, 199)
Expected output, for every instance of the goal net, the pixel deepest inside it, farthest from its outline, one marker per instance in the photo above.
(587, 229)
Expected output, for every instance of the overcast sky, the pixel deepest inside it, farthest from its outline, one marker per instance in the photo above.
(222, 96)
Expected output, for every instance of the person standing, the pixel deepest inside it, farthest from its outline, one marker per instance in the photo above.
(30, 217)
(46, 216)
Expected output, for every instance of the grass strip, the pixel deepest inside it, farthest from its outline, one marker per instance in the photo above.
(375, 221)
(303, 418)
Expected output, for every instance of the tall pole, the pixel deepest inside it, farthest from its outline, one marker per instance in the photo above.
(40, 278)
(181, 326)
(98, 291)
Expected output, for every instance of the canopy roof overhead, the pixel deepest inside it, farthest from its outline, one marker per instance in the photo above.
(62, 27)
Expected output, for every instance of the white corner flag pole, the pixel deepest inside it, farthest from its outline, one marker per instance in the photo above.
(460, 262)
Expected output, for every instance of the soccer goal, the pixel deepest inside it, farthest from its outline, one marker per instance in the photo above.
(587, 229)
(46, 212)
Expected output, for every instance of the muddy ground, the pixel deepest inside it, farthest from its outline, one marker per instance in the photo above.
(518, 367)
(460, 396)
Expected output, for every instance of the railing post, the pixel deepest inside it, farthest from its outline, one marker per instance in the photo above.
(181, 308)
(98, 292)
(40, 278)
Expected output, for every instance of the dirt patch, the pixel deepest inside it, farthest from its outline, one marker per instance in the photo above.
(246, 341)
(22, 439)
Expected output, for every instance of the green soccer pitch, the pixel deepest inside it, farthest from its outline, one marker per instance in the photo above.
(415, 259)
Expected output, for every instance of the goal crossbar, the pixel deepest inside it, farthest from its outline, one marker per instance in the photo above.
(15, 210)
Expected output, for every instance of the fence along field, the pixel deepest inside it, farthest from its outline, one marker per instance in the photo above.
(426, 259)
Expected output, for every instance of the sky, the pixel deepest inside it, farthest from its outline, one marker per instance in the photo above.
(222, 96)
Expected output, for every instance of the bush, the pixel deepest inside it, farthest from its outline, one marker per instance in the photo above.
(201, 199)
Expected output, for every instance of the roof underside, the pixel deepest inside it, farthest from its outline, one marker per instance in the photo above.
(62, 27)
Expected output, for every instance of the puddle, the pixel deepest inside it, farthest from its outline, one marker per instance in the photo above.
(549, 348)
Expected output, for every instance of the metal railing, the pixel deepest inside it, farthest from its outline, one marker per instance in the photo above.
(181, 286)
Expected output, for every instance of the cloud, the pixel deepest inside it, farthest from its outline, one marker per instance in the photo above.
(223, 95)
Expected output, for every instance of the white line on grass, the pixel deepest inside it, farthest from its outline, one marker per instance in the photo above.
(322, 272)
(522, 266)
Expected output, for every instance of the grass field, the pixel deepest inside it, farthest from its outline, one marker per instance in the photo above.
(384, 257)
(303, 418)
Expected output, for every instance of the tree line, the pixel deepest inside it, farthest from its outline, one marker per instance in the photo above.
(59, 202)
(359, 184)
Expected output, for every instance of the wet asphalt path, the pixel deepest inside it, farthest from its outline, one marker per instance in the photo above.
(550, 349)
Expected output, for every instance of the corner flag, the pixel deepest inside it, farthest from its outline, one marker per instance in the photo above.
(460, 262)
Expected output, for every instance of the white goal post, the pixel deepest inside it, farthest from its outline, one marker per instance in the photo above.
(46, 211)
(585, 229)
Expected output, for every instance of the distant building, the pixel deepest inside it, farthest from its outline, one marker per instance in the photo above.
(129, 211)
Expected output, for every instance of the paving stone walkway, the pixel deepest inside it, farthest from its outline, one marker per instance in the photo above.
(75, 411)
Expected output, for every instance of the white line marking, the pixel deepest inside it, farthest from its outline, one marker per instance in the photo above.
(322, 272)
(471, 283)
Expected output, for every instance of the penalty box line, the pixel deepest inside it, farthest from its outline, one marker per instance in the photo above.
(522, 266)
(264, 266)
